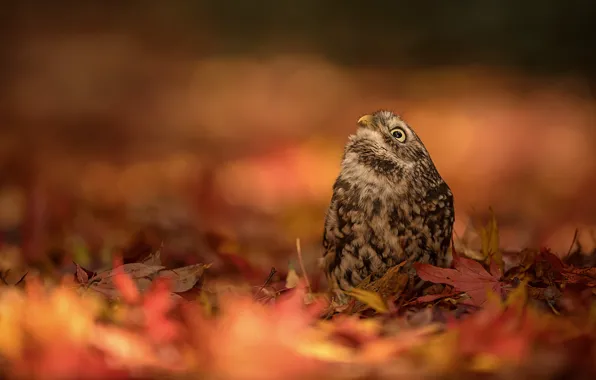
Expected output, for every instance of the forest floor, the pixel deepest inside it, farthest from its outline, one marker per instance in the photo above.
(525, 315)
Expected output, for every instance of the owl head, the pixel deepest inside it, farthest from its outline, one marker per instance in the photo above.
(385, 144)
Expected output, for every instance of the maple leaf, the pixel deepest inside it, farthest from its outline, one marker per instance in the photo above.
(467, 276)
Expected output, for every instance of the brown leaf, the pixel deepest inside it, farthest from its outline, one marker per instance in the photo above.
(134, 270)
(183, 279)
(153, 259)
(110, 286)
(110, 291)
(124, 281)
(82, 276)
(468, 276)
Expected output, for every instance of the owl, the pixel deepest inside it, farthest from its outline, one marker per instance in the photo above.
(389, 205)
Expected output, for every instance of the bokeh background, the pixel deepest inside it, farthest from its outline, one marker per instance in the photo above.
(218, 126)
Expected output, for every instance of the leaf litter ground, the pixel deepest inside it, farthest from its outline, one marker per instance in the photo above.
(536, 318)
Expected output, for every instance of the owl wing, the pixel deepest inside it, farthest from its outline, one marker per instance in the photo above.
(437, 207)
(328, 235)
(337, 236)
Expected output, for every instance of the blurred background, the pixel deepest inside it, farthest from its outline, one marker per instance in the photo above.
(217, 127)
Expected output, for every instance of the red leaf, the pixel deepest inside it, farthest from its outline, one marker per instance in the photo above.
(468, 276)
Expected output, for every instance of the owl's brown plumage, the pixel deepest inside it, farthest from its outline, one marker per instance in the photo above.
(389, 204)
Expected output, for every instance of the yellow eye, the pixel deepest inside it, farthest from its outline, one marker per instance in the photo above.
(399, 134)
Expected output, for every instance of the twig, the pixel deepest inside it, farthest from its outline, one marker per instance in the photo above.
(22, 278)
(267, 281)
(301, 262)
(4, 274)
(572, 242)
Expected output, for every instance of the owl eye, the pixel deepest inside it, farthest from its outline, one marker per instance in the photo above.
(398, 134)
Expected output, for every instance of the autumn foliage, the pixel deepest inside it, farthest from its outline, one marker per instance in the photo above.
(533, 317)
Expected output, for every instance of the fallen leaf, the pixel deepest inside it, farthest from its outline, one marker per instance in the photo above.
(292, 279)
(134, 270)
(553, 263)
(489, 238)
(110, 291)
(82, 276)
(468, 276)
(585, 276)
(154, 259)
(371, 299)
(392, 283)
(183, 279)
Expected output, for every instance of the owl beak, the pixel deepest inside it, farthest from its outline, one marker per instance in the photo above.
(365, 121)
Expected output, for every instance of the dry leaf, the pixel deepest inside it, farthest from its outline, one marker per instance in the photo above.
(153, 259)
(183, 279)
(371, 299)
(134, 270)
(82, 276)
(292, 279)
(489, 238)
